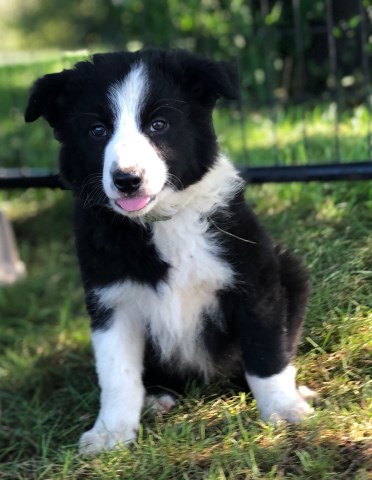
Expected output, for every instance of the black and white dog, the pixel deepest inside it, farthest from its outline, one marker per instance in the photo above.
(178, 274)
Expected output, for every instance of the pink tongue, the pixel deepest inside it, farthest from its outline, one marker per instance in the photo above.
(133, 204)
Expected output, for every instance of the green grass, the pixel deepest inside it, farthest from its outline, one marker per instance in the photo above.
(48, 388)
(295, 136)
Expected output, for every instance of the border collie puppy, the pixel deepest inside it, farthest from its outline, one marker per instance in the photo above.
(179, 276)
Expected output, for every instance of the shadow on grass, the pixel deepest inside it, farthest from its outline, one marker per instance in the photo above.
(45, 413)
(50, 219)
(42, 223)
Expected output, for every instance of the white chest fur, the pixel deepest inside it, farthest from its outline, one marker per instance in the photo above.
(173, 313)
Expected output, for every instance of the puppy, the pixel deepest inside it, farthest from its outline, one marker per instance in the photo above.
(179, 276)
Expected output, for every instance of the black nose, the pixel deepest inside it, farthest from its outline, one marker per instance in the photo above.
(126, 182)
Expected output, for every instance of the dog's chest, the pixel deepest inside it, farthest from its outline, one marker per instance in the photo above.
(196, 273)
(193, 254)
(174, 312)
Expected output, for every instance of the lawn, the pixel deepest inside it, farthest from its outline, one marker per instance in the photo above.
(48, 389)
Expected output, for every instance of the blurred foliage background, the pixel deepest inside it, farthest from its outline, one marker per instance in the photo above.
(259, 34)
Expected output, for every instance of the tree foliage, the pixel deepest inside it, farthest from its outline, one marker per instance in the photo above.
(258, 34)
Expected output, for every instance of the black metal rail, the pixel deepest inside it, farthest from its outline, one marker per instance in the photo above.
(13, 178)
(308, 173)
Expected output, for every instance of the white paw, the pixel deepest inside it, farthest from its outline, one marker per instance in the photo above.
(293, 408)
(160, 403)
(100, 439)
(306, 392)
(278, 398)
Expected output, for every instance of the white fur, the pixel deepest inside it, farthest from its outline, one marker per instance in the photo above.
(172, 313)
(129, 149)
(278, 398)
(119, 358)
(160, 403)
(195, 276)
(214, 191)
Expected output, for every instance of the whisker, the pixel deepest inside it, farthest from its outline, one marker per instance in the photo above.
(245, 240)
(170, 178)
(96, 194)
(167, 106)
(90, 181)
(169, 99)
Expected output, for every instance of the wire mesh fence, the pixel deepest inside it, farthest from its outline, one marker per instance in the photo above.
(319, 72)
(305, 112)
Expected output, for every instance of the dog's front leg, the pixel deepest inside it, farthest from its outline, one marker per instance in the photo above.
(118, 350)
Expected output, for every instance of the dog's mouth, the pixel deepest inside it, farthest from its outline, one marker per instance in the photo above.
(134, 204)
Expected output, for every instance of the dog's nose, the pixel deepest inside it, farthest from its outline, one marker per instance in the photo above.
(126, 182)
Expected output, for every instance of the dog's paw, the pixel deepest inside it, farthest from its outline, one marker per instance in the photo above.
(160, 403)
(293, 408)
(100, 439)
(278, 398)
(307, 393)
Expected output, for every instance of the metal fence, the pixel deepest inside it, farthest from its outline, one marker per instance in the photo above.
(291, 67)
(344, 46)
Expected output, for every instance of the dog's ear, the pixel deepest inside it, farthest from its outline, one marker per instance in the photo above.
(207, 80)
(49, 96)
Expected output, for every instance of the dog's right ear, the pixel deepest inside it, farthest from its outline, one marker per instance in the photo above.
(48, 97)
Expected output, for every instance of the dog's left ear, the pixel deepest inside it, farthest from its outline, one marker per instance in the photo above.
(49, 96)
(208, 80)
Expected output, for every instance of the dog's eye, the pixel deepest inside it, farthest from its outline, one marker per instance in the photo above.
(158, 125)
(98, 131)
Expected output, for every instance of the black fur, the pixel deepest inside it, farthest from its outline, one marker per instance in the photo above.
(263, 314)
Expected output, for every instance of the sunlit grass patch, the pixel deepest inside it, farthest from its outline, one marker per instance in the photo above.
(295, 135)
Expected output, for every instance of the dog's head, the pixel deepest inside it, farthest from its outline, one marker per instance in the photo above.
(134, 127)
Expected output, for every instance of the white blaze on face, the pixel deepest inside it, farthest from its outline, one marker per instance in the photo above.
(129, 149)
